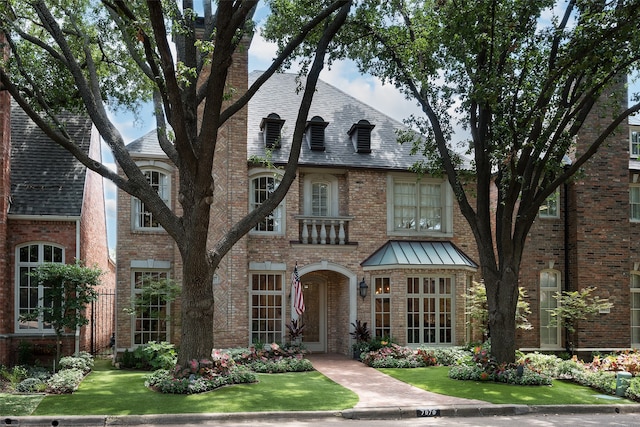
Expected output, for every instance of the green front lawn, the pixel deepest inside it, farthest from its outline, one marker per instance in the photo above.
(121, 392)
(436, 379)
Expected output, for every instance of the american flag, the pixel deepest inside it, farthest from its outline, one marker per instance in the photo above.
(298, 298)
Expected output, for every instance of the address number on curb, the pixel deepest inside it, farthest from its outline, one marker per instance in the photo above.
(422, 413)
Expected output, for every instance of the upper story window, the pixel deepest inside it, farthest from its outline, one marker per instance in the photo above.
(262, 186)
(31, 296)
(551, 206)
(418, 206)
(321, 195)
(635, 144)
(142, 217)
(634, 202)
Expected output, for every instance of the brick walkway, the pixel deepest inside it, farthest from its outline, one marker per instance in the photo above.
(377, 390)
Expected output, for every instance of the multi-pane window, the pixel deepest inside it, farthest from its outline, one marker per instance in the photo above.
(320, 199)
(634, 202)
(143, 217)
(152, 313)
(551, 206)
(418, 206)
(430, 310)
(261, 189)
(635, 309)
(267, 308)
(635, 144)
(549, 329)
(382, 309)
(30, 295)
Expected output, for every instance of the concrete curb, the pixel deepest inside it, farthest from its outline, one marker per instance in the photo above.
(385, 413)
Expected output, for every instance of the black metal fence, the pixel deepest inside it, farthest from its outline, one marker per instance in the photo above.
(103, 322)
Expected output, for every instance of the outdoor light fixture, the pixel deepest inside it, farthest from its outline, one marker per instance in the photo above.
(362, 288)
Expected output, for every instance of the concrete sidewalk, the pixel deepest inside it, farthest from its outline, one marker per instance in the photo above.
(377, 390)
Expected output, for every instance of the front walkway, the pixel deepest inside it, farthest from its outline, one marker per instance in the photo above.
(377, 390)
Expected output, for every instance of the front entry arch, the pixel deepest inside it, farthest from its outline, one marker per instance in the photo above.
(330, 294)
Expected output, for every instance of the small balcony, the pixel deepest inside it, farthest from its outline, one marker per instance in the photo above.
(324, 230)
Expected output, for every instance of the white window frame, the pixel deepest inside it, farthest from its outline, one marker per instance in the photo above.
(381, 307)
(634, 202)
(331, 183)
(441, 313)
(264, 307)
(551, 206)
(548, 302)
(136, 318)
(446, 205)
(634, 143)
(164, 191)
(37, 326)
(278, 214)
(634, 306)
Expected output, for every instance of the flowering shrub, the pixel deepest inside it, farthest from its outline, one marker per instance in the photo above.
(427, 357)
(272, 358)
(446, 356)
(31, 385)
(81, 363)
(393, 356)
(203, 378)
(65, 381)
(633, 391)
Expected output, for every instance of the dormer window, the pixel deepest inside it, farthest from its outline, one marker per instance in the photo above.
(315, 133)
(271, 127)
(360, 134)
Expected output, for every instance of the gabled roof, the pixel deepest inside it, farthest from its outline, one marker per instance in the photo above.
(45, 178)
(400, 253)
(280, 95)
(147, 145)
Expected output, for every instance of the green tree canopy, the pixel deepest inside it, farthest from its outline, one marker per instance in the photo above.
(520, 77)
(94, 56)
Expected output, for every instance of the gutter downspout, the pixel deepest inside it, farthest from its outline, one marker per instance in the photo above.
(567, 275)
(77, 336)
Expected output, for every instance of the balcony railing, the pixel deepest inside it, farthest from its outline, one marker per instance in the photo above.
(324, 230)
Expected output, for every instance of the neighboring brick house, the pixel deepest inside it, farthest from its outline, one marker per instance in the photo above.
(51, 210)
(356, 215)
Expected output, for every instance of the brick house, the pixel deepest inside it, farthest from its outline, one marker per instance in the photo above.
(51, 210)
(371, 240)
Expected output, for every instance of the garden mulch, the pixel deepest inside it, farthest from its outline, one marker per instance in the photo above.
(378, 390)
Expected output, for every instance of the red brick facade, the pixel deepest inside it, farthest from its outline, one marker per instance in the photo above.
(83, 237)
(593, 240)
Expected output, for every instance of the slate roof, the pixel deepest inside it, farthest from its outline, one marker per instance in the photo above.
(45, 178)
(398, 253)
(341, 110)
(278, 95)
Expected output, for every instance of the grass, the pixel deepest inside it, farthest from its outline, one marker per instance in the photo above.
(19, 404)
(118, 392)
(436, 379)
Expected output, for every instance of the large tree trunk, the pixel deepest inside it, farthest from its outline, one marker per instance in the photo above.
(197, 309)
(502, 299)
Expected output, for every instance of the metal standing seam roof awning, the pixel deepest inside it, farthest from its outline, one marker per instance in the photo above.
(406, 254)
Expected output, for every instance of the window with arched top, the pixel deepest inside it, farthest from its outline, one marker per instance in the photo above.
(30, 295)
(143, 218)
(263, 183)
